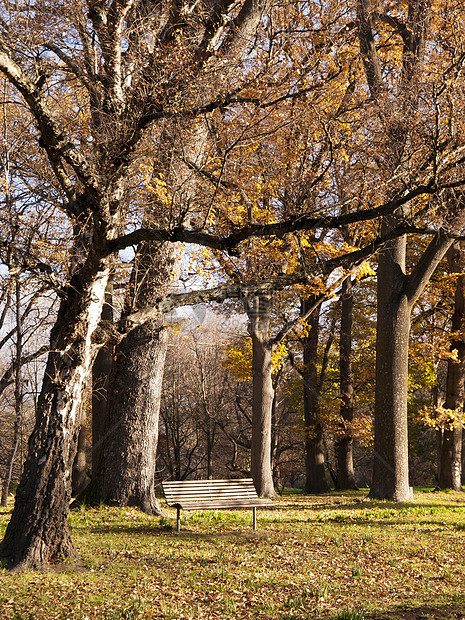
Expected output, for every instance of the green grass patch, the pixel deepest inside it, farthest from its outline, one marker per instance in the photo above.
(331, 556)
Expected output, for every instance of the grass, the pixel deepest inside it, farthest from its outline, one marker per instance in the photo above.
(331, 556)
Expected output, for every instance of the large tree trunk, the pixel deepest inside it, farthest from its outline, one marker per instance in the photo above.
(38, 530)
(344, 443)
(314, 448)
(263, 394)
(125, 475)
(397, 294)
(450, 460)
(390, 470)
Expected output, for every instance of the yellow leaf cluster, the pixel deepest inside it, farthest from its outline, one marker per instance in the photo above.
(239, 361)
(440, 417)
(279, 355)
(365, 270)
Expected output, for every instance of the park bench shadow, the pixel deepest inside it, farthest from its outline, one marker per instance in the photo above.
(242, 532)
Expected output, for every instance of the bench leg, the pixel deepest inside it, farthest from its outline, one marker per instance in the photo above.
(254, 517)
(178, 519)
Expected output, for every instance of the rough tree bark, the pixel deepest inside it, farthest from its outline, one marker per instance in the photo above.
(390, 475)
(38, 529)
(79, 477)
(397, 294)
(344, 443)
(450, 449)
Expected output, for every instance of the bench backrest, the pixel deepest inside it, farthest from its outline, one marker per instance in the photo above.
(209, 490)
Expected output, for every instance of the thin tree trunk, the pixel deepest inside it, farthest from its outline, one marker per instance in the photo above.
(263, 394)
(314, 446)
(18, 396)
(344, 443)
(274, 435)
(450, 460)
(450, 471)
(210, 442)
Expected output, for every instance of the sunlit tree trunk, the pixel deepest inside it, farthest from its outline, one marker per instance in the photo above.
(125, 474)
(390, 472)
(397, 294)
(263, 393)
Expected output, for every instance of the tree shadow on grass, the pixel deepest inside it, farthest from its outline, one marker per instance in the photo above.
(344, 516)
(365, 503)
(366, 506)
(452, 611)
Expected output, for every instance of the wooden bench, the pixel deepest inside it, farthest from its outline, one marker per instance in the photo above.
(213, 495)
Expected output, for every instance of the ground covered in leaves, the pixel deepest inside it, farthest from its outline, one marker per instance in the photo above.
(330, 556)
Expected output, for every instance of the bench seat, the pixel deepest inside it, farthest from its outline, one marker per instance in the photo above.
(213, 495)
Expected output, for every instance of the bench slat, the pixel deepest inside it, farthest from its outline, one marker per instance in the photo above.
(193, 483)
(230, 494)
(217, 505)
